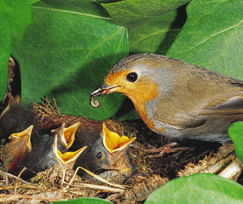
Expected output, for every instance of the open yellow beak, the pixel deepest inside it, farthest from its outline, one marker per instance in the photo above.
(66, 159)
(113, 142)
(24, 135)
(67, 135)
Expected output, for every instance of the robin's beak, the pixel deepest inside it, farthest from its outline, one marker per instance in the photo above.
(103, 90)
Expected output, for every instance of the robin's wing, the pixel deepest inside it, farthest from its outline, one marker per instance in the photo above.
(184, 124)
(230, 108)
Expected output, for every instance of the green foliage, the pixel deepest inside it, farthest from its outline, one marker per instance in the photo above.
(212, 36)
(131, 11)
(236, 134)
(150, 23)
(66, 53)
(71, 44)
(85, 201)
(15, 15)
(198, 188)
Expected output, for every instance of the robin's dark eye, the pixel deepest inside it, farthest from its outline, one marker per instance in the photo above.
(99, 155)
(132, 76)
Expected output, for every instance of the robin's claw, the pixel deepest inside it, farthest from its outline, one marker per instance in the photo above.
(161, 151)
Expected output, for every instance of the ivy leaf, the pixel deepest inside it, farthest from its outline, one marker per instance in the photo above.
(153, 35)
(5, 41)
(212, 36)
(151, 24)
(134, 11)
(85, 201)
(236, 134)
(66, 53)
(15, 16)
(198, 188)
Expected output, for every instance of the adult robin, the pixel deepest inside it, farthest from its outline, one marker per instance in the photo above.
(177, 99)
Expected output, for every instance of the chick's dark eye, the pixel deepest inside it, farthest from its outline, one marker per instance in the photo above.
(99, 155)
(132, 77)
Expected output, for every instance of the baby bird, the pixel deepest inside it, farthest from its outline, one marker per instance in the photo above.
(66, 160)
(108, 152)
(17, 126)
(15, 119)
(177, 99)
(49, 148)
(14, 151)
(31, 147)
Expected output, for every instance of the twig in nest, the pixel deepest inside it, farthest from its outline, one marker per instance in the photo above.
(55, 106)
(99, 178)
(63, 176)
(71, 180)
(46, 108)
(20, 186)
(15, 177)
(16, 184)
(93, 186)
(5, 198)
(97, 187)
(233, 170)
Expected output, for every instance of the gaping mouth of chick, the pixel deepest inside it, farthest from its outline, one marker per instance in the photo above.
(103, 90)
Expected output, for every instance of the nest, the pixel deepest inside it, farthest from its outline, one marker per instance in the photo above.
(149, 172)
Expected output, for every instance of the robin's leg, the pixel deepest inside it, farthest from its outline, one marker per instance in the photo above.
(159, 152)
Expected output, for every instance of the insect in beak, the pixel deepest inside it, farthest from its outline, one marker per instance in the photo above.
(103, 90)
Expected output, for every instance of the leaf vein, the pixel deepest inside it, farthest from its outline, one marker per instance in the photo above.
(215, 34)
(70, 12)
(152, 34)
(103, 41)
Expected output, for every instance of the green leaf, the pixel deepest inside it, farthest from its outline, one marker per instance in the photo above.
(66, 53)
(105, 1)
(212, 36)
(5, 42)
(32, 1)
(236, 134)
(198, 188)
(19, 15)
(85, 201)
(134, 11)
(15, 15)
(150, 23)
(153, 35)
